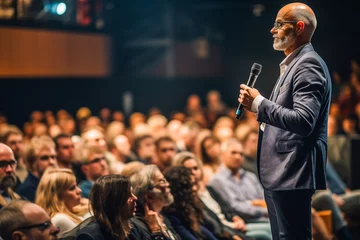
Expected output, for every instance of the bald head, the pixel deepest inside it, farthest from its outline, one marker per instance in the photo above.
(300, 12)
(6, 150)
(7, 173)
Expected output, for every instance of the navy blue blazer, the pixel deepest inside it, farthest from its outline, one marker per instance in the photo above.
(293, 147)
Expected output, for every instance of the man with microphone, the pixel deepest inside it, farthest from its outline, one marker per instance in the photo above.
(293, 121)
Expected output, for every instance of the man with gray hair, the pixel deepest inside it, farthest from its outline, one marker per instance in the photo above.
(153, 193)
(293, 138)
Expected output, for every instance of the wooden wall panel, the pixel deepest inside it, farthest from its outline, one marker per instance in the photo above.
(48, 53)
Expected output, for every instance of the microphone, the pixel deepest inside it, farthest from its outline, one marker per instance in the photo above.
(254, 73)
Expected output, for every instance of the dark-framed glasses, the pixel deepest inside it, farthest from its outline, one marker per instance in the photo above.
(11, 163)
(280, 24)
(41, 226)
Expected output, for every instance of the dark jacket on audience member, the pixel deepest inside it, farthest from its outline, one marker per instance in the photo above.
(28, 188)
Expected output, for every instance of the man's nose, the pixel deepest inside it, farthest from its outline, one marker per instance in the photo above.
(54, 230)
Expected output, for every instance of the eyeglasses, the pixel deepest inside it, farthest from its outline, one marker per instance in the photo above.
(279, 25)
(95, 160)
(41, 226)
(11, 163)
(161, 183)
(47, 157)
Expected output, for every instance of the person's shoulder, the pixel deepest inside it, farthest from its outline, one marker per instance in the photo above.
(85, 183)
(60, 216)
(91, 231)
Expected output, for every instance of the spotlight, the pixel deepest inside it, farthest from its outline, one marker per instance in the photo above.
(59, 8)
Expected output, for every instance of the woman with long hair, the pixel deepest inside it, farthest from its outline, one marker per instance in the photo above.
(217, 212)
(59, 195)
(210, 156)
(113, 204)
(185, 213)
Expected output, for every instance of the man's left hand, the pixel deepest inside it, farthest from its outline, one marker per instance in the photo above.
(247, 96)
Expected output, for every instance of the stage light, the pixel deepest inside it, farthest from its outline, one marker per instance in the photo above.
(59, 8)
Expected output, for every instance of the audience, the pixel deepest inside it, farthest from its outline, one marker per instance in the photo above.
(216, 208)
(95, 146)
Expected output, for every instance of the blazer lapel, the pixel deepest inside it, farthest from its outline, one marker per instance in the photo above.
(307, 48)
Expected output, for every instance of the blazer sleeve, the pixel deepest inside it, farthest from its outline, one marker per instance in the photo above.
(309, 88)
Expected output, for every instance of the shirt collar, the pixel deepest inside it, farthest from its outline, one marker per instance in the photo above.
(228, 173)
(291, 56)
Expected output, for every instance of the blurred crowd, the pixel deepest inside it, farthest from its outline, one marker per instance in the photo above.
(192, 175)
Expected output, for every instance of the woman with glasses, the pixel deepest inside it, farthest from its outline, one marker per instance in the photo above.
(59, 195)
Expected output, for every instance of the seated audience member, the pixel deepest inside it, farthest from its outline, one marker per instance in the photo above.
(39, 155)
(250, 143)
(157, 124)
(113, 205)
(14, 138)
(65, 151)
(347, 200)
(94, 135)
(120, 147)
(210, 155)
(25, 220)
(60, 197)
(322, 200)
(144, 148)
(153, 193)
(241, 189)
(8, 179)
(215, 207)
(165, 151)
(185, 213)
(93, 166)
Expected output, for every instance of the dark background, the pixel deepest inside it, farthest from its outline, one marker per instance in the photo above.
(244, 39)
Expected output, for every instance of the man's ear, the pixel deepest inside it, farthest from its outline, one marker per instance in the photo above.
(300, 26)
(18, 235)
(148, 197)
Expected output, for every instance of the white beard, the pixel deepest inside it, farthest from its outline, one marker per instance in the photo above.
(281, 44)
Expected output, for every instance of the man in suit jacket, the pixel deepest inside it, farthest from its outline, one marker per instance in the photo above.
(293, 138)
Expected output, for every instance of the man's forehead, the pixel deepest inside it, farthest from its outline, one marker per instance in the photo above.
(34, 212)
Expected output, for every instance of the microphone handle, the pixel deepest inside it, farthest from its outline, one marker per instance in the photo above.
(240, 109)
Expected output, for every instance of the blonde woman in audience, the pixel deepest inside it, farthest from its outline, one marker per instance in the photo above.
(61, 198)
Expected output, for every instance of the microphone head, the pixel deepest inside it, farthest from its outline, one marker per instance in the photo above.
(256, 69)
